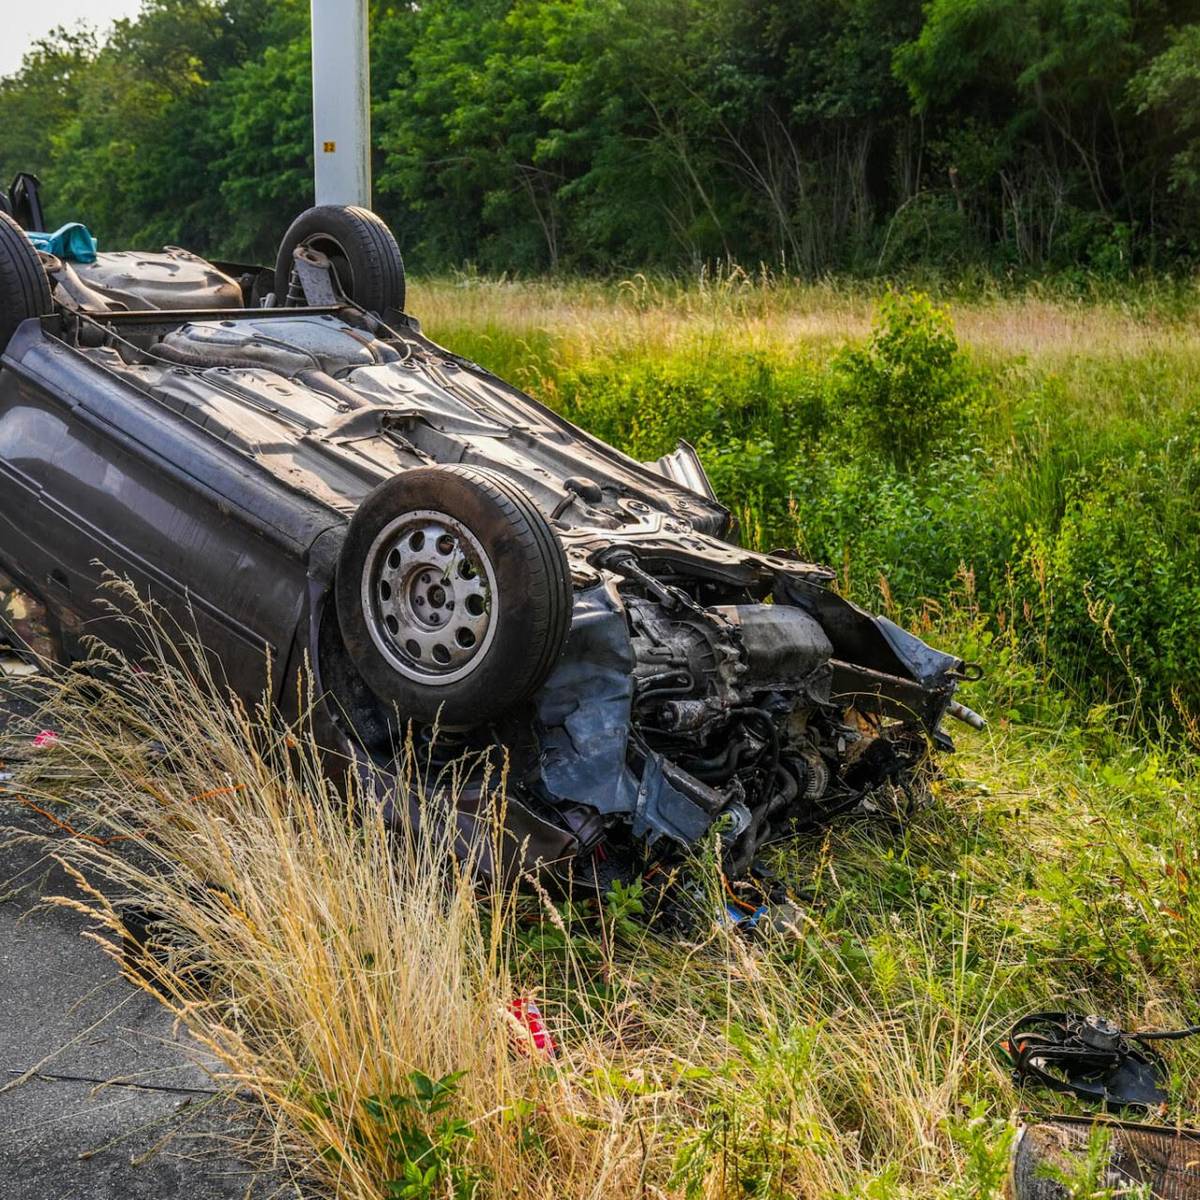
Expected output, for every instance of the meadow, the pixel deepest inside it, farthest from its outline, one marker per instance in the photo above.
(1036, 453)
(1015, 476)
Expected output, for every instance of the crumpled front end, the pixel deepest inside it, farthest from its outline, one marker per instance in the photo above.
(676, 710)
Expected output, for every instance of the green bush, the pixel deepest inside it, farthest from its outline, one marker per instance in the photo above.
(1117, 584)
(909, 387)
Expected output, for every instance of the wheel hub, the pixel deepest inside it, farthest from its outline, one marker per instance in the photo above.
(429, 596)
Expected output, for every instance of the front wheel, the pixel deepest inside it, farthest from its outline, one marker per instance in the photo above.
(453, 594)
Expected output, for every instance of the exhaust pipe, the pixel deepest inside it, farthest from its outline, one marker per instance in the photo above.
(968, 716)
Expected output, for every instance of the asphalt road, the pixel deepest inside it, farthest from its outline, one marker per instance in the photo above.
(100, 1097)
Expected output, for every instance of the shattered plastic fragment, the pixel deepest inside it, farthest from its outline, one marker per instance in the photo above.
(744, 920)
(16, 668)
(526, 1012)
(47, 737)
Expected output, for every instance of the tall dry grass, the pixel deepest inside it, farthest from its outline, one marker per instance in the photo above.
(734, 308)
(327, 960)
(323, 960)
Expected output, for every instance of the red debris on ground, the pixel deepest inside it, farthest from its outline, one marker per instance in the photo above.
(526, 1012)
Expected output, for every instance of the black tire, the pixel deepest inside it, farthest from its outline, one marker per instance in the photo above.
(526, 611)
(24, 288)
(361, 247)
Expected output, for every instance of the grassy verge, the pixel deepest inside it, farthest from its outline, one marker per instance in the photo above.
(363, 991)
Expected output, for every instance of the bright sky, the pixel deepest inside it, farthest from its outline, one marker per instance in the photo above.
(22, 22)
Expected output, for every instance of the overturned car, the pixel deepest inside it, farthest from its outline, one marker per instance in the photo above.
(283, 462)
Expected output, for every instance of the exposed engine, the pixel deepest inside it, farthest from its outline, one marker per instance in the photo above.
(737, 699)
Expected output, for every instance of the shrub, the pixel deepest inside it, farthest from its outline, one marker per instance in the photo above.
(1117, 585)
(908, 387)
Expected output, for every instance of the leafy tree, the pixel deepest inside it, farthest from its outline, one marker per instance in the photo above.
(259, 134)
(1168, 88)
(609, 135)
(40, 98)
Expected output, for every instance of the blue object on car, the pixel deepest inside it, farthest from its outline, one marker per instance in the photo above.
(72, 242)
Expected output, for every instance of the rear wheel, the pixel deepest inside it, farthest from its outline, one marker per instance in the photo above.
(24, 288)
(360, 248)
(453, 594)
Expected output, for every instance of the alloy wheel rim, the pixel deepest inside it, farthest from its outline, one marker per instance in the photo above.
(429, 594)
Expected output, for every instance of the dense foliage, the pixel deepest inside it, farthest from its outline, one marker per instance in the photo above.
(602, 135)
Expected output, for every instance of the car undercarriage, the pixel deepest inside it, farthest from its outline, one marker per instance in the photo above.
(290, 468)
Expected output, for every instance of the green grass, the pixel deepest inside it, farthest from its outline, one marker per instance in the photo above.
(1051, 454)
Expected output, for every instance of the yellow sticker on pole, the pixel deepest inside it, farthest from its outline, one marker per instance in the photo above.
(329, 147)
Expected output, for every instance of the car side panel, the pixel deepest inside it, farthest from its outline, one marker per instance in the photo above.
(96, 477)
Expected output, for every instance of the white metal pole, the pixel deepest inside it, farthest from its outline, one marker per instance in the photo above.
(341, 102)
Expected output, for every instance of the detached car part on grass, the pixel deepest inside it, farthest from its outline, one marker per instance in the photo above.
(1093, 1058)
(286, 465)
(1054, 1156)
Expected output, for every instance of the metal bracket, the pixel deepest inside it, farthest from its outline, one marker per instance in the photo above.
(317, 281)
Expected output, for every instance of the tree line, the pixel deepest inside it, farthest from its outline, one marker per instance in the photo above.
(611, 135)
